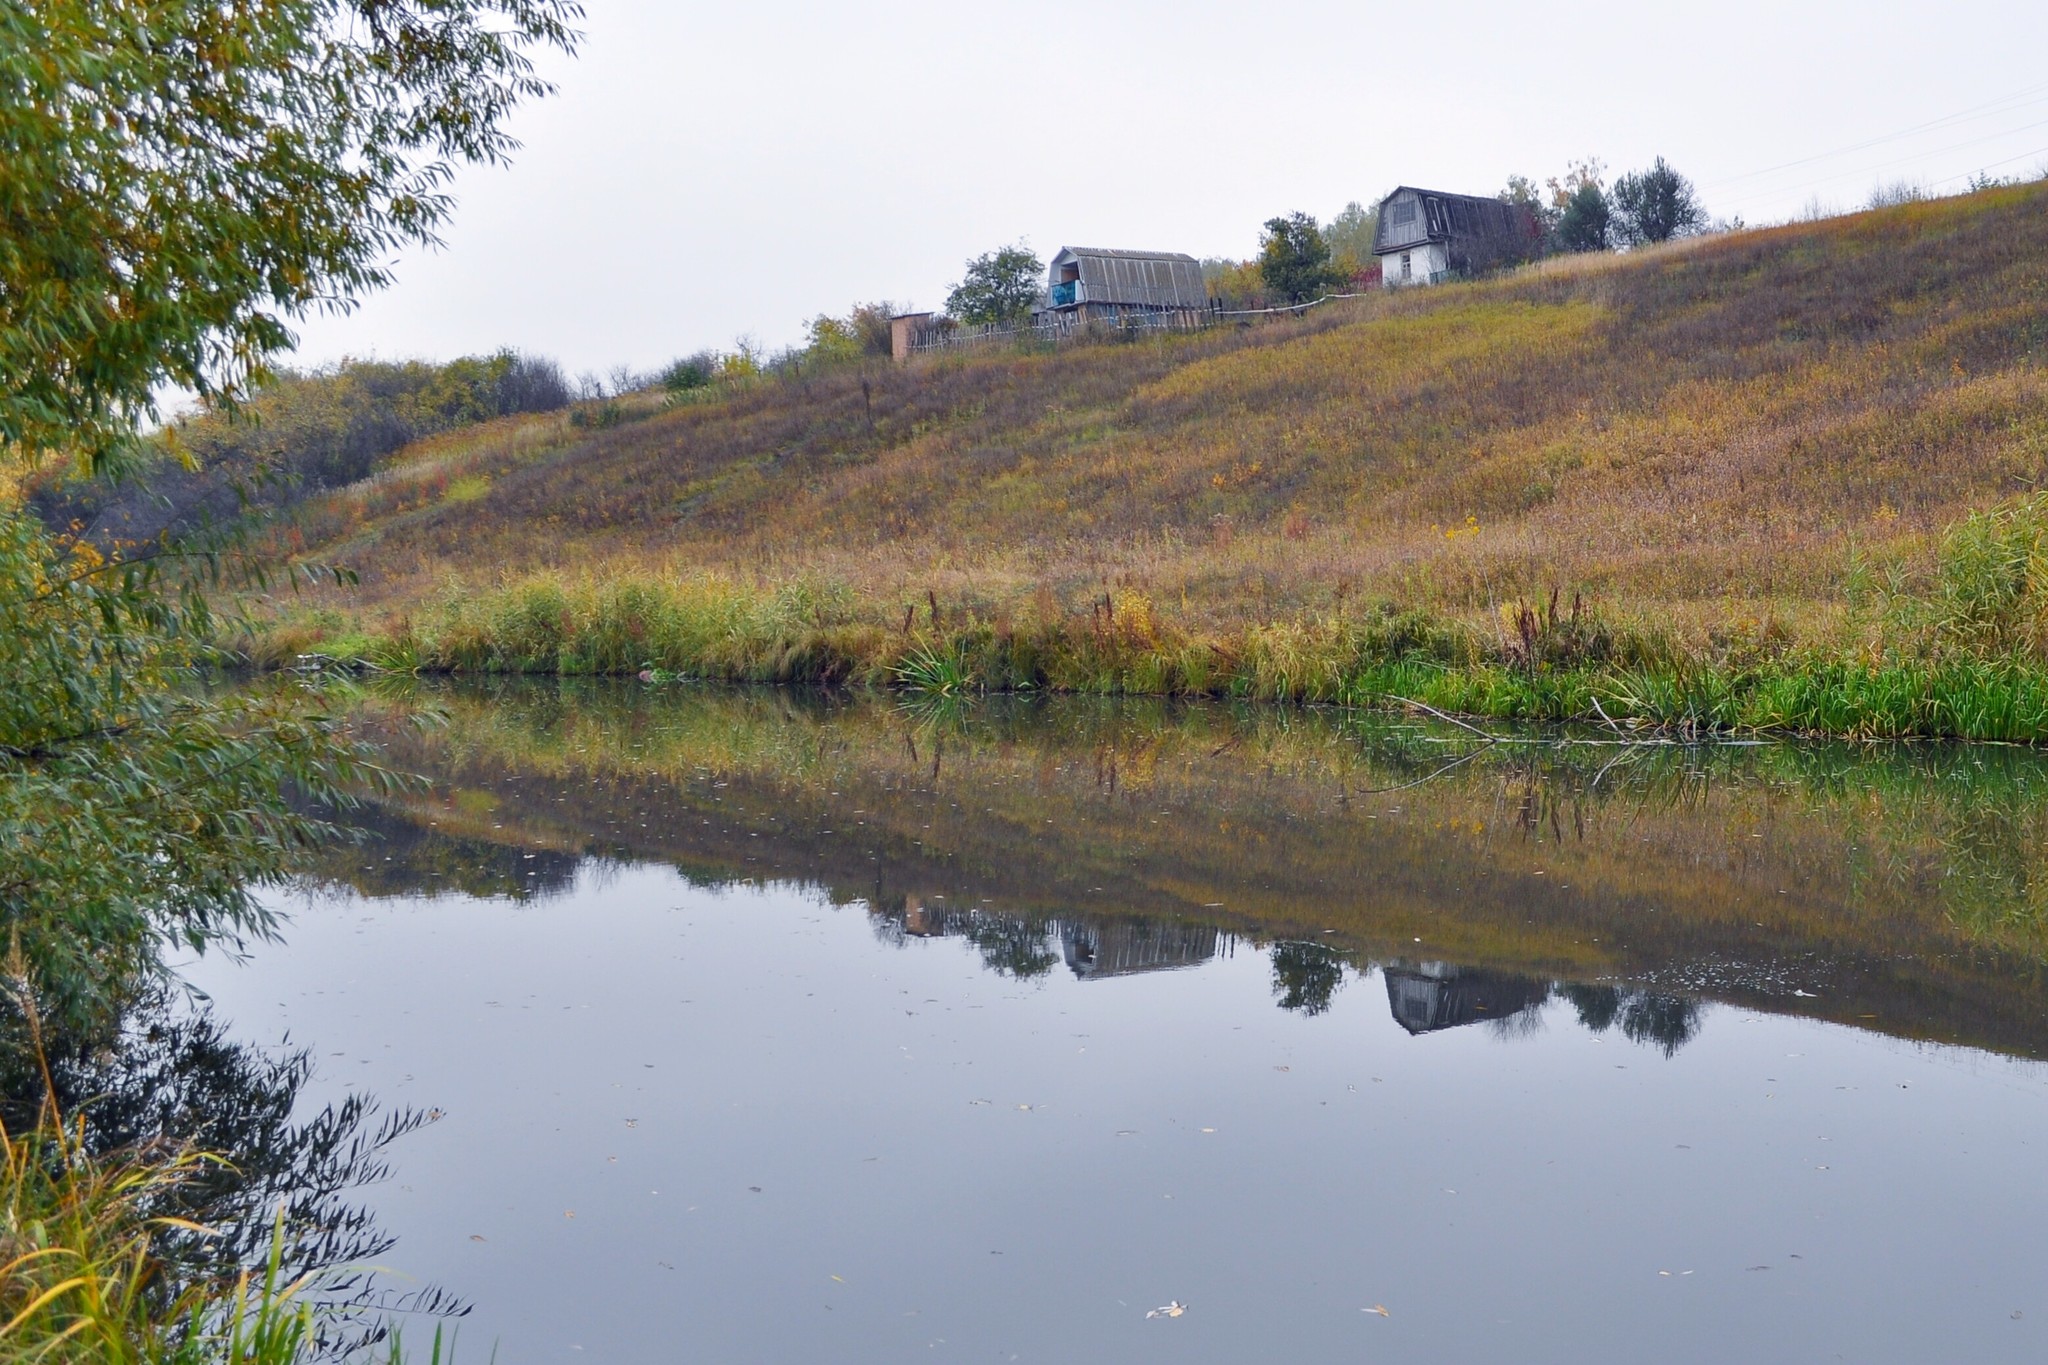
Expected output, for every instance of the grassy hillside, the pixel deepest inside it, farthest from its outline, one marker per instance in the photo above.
(1715, 443)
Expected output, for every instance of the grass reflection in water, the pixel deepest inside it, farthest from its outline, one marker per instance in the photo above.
(1898, 889)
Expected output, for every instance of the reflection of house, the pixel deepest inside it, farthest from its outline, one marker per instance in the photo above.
(1122, 947)
(1094, 283)
(1427, 996)
(1424, 236)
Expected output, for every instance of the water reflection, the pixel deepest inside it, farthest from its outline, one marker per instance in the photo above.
(780, 1027)
(169, 1072)
(1100, 949)
(409, 859)
(1427, 997)
(1899, 890)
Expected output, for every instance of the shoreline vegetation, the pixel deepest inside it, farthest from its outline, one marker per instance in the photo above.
(1958, 655)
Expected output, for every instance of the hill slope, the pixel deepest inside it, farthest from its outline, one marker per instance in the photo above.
(1698, 434)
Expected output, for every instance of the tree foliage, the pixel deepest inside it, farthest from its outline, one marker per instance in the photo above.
(186, 177)
(1294, 260)
(1350, 237)
(1585, 223)
(1655, 205)
(999, 286)
(862, 334)
(182, 179)
(136, 809)
(297, 434)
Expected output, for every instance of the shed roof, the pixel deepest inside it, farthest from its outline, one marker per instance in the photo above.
(1122, 278)
(1124, 253)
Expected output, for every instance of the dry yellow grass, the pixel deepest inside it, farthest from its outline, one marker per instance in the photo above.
(1700, 434)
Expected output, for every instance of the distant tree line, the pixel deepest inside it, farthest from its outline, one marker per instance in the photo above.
(300, 432)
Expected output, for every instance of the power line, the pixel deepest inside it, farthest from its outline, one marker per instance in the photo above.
(2004, 104)
(1994, 165)
(1937, 151)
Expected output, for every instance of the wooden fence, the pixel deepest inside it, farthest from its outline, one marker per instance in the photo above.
(1053, 328)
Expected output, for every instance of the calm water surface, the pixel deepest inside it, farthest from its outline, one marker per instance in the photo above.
(762, 1029)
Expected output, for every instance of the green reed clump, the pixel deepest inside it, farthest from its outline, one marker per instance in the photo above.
(929, 668)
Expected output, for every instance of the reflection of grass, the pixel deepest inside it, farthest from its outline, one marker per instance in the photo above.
(1875, 856)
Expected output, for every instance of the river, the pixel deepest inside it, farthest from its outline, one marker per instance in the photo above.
(760, 1026)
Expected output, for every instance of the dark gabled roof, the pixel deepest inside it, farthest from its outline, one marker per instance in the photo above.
(1448, 217)
(1438, 194)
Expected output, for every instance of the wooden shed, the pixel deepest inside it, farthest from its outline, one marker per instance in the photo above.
(1426, 236)
(1101, 283)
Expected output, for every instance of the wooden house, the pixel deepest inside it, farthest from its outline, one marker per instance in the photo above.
(1427, 236)
(1090, 284)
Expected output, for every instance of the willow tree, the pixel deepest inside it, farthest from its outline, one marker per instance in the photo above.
(180, 182)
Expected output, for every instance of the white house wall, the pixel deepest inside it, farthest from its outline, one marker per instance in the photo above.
(1430, 258)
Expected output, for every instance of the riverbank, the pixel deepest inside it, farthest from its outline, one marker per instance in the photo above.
(1739, 454)
(1955, 655)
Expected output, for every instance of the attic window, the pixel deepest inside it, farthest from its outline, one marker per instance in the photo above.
(1401, 213)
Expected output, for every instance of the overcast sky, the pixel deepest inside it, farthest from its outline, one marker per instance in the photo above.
(709, 172)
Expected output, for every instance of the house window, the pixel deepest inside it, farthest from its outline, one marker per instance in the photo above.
(1407, 265)
(1403, 212)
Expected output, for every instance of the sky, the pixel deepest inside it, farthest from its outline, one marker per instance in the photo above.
(709, 173)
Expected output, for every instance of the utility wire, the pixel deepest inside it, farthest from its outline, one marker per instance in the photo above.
(2004, 104)
(2023, 156)
(1936, 151)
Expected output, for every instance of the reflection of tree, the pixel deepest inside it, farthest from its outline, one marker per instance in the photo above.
(172, 1075)
(1666, 1022)
(399, 856)
(1305, 976)
(1011, 946)
(1598, 1006)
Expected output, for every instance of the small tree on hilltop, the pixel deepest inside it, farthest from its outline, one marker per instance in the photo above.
(1000, 286)
(1655, 206)
(1294, 260)
(1581, 218)
(1586, 222)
